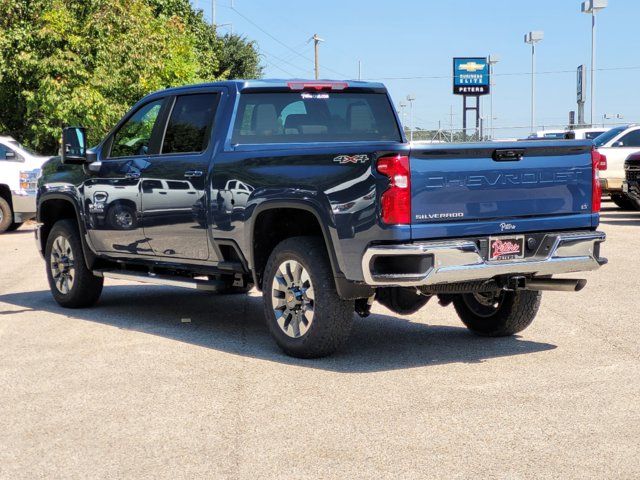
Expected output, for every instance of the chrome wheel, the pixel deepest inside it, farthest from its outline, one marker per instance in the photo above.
(484, 304)
(61, 264)
(293, 298)
(124, 219)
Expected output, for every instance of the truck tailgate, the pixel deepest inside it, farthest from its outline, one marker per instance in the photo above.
(501, 181)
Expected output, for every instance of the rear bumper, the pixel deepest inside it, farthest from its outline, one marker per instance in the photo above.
(611, 185)
(454, 261)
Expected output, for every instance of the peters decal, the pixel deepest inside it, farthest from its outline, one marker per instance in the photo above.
(345, 159)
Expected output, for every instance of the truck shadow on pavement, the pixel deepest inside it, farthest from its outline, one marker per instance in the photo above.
(234, 324)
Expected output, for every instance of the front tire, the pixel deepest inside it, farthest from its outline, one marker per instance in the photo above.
(6, 215)
(303, 311)
(497, 314)
(72, 284)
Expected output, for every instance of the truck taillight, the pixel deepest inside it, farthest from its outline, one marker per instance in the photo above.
(396, 200)
(599, 162)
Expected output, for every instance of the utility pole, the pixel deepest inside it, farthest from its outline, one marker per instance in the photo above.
(316, 41)
(359, 70)
(213, 17)
(532, 38)
(592, 7)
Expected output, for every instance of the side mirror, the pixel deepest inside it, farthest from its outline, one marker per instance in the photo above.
(74, 145)
(617, 144)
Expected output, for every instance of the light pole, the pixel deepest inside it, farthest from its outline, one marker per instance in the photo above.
(493, 59)
(532, 38)
(410, 99)
(403, 114)
(592, 7)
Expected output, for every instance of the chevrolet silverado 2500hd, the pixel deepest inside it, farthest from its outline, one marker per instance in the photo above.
(310, 192)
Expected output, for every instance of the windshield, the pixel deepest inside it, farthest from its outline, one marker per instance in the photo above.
(600, 140)
(295, 117)
(18, 145)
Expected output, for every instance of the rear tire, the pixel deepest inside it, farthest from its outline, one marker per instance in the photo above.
(303, 311)
(72, 284)
(6, 215)
(624, 202)
(497, 314)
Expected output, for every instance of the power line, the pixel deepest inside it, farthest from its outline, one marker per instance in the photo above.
(278, 40)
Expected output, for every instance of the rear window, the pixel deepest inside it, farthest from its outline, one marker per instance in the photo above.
(314, 117)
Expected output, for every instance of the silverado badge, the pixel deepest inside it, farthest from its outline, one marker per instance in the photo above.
(344, 159)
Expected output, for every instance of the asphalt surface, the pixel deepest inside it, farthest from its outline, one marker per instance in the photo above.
(159, 382)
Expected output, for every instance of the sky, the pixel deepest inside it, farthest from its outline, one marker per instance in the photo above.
(399, 42)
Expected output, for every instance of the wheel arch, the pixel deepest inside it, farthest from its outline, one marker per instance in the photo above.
(258, 252)
(54, 207)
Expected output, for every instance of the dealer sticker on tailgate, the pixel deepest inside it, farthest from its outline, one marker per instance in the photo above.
(506, 248)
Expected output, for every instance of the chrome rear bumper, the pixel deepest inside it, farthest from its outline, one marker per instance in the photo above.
(455, 261)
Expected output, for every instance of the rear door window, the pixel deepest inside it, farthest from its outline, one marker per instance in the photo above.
(314, 117)
(189, 126)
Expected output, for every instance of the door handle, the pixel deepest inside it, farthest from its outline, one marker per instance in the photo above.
(132, 175)
(508, 155)
(192, 173)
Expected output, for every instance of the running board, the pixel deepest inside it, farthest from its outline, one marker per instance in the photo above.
(167, 280)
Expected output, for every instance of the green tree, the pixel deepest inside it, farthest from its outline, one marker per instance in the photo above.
(86, 62)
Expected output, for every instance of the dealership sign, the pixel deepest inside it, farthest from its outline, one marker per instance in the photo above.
(580, 84)
(471, 76)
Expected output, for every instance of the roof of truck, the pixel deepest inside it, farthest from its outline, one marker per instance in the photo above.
(277, 83)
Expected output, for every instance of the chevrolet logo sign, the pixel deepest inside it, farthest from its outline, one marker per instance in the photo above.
(471, 66)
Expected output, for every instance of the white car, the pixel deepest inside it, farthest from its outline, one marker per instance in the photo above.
(587, 133)
(19, 172)
(617, 144)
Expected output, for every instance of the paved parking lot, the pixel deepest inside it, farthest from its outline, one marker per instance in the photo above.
(130, 389)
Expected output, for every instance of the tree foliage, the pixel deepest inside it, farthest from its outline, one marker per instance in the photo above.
(86, 62)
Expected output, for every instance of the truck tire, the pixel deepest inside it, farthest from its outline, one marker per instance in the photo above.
(6, 215)
(497, 314)
(624, 202)
(72, 284)
(122, 217)
(303, 311)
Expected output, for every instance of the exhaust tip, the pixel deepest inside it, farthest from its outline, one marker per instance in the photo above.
(580, 284)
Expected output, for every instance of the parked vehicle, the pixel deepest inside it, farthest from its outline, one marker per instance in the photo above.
(617, 144)
(19, 170)
(311, 192)
(631, 185)
(587, 133)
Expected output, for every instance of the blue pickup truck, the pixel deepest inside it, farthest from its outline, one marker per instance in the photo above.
(309, 191)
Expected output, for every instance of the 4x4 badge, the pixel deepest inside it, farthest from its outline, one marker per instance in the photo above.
(344, 159)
